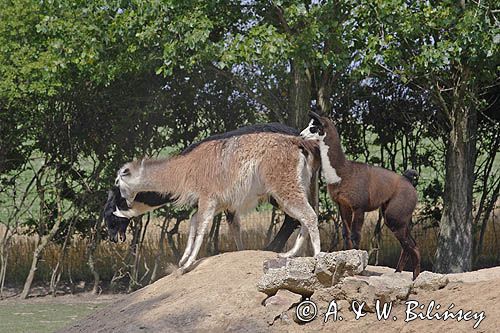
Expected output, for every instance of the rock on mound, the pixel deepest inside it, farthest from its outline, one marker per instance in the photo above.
(221, 294)
(305, 275)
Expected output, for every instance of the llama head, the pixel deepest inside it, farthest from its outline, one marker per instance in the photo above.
(316, 128)
(116, 225)
(129, 179)
(117, 212)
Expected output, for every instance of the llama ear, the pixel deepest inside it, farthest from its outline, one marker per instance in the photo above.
(316, 117)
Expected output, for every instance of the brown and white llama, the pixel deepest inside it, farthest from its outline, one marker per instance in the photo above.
(232, 173)
(358, 188)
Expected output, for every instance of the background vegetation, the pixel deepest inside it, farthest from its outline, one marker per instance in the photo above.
(88, 85)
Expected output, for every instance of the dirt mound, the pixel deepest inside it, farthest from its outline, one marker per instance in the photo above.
(220, 294)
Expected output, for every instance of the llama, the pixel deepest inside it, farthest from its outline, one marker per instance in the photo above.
(232, 172)
(358, 188)
(117, 213)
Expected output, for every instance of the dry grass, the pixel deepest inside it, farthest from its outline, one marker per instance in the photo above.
(111, 257)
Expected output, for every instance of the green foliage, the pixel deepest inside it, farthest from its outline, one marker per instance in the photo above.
(426, 43)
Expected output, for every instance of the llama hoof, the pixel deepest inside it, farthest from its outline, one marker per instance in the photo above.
(187, 267)
(319, 254)
(184, 269)
(177, 273)
(286, 255)
(416, 273)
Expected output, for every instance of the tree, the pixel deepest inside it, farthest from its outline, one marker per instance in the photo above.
(449, 50)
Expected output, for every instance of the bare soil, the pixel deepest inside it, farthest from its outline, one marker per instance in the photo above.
(220, 294)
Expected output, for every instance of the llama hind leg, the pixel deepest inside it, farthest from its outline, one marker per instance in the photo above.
(403, 258)
(405, 254)
(299, 243)
(409, 250)
(233, 220)
(193, 226)
(308, 219)
(415, 258)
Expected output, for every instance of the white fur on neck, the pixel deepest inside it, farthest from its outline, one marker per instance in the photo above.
(329, 171)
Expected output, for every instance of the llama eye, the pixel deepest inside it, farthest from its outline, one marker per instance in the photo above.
(313, 129)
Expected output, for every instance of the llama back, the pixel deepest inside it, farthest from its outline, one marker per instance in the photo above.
(248, 167)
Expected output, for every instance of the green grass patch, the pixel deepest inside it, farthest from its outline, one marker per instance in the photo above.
(42, 317)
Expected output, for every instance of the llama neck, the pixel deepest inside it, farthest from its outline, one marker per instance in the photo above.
(332, 156)
(164, 176)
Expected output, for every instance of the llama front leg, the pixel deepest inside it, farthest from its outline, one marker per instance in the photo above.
(233, 220)
(193, 226)
(357, 225)
(205, 216)
(347, 216)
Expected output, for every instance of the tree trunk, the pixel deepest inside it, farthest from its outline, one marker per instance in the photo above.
(95, 239)
(36, 257)
(454, 251)
(4, 257)
(44, 240)
(170, 239)
(300, 96)
(57, 271)
(489, 194)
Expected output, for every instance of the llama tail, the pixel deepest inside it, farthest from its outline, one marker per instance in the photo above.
(412, 176)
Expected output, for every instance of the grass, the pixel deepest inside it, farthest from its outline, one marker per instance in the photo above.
(42, 317)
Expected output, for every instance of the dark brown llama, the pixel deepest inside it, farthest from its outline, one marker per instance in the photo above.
(358, 188)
